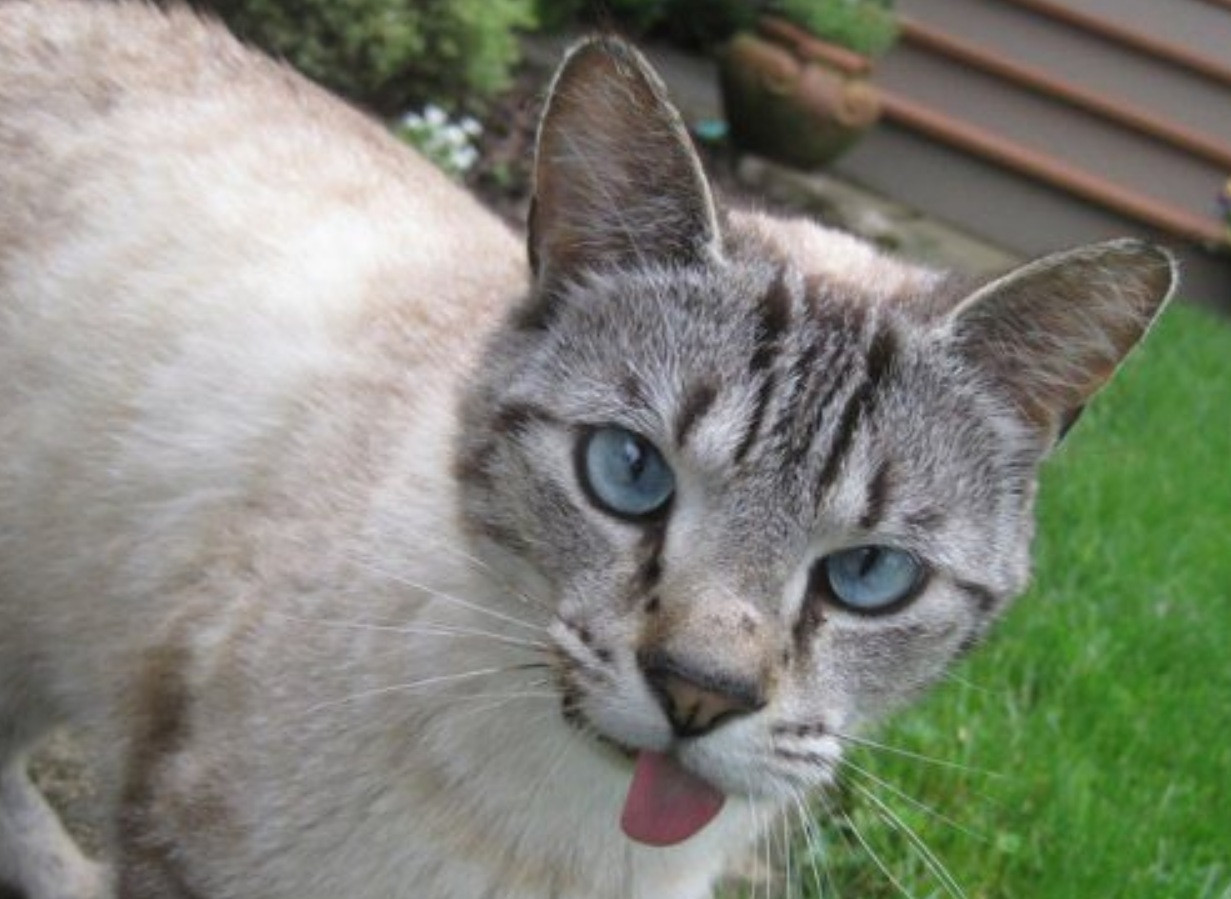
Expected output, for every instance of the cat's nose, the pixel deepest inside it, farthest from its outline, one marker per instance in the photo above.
(696, 699)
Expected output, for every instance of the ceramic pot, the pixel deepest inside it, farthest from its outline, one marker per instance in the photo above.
(794, 98)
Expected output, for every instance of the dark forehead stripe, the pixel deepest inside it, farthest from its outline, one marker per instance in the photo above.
(927, 518)
(697, 401)
(774, 320)
(881, 353)
(826, 355)
(774, 311)
(753, 429)
(813, 408)
(859, 404)
(852, 414)
(633, 392)
(878, 494)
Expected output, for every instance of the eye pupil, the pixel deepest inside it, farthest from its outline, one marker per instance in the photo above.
(623, 473)
(635, 458)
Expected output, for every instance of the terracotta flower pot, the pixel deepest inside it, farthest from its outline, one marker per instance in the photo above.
(794, 98)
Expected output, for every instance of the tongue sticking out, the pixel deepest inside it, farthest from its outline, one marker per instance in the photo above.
(666, 804)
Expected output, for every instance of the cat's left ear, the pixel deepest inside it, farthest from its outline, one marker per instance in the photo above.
(616, 179)
(1053, 332)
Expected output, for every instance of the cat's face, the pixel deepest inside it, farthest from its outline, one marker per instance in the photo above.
(767, 505)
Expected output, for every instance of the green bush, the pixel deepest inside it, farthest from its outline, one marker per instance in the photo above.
(389, 55)
(691, 22)
(865, 26)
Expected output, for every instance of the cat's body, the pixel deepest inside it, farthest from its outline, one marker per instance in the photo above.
(301, 543)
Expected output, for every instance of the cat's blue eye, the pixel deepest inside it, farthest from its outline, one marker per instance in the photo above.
(624, 473)
(872, 578)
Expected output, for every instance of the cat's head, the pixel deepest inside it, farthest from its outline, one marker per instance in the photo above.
(771, 483)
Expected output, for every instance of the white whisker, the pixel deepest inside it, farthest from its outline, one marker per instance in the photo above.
(426, 629)
(912, 801)
(791, 890)
(918, 757)
(811, 839)
(407, 687)
(930, 859)
(460, 553)
(447, 597)
(876, 859)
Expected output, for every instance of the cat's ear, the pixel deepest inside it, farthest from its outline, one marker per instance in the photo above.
(616, 179)
(1054, 331)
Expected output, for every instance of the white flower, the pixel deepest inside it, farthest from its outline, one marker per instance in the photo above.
(434, 116)
(447, 143)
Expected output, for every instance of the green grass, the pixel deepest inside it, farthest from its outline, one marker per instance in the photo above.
(1103, 701)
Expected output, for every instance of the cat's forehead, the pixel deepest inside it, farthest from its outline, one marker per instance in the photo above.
(792, 398)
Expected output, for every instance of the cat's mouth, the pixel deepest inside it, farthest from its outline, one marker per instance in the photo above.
(666, 803)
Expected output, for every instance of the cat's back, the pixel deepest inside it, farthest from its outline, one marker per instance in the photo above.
(138, 143)
(208, 268)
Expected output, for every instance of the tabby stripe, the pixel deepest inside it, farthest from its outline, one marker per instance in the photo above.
(653, 539)
(633, 392)
(471, 464)
(828, 359)
(775, 310)
(881, 354)
(972, 639)
(878, 491)
(512, 419)
(985, 599)
(852, 414)
(926, 519)
(764, 394)
(820, 407)
(880, 357)
(797, 376)
(698, 401)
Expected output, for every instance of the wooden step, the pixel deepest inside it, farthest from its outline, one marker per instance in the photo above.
(1127, 115)
(1039, 127)
(1114, 71)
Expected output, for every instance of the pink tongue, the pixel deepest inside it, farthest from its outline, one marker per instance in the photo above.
(666, 804)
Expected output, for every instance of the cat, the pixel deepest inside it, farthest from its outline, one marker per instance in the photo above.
(382, 554)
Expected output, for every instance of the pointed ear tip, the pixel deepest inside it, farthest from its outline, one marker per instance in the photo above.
(602, 48)
(1150, 257)
(1158, 266)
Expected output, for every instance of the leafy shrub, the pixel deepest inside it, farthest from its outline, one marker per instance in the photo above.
(865, 26)
(389, 54)
(692, 22)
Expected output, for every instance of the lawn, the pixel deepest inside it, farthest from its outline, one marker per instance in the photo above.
(1092, 734)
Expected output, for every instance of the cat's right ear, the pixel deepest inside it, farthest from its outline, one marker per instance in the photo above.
(616, 179)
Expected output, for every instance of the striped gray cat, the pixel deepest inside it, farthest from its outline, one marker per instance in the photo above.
(378, 557)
